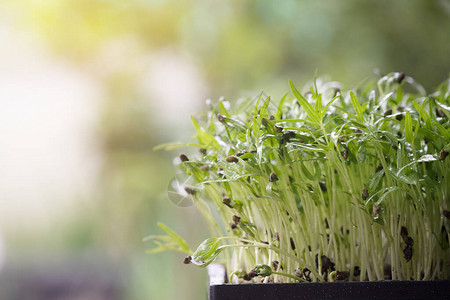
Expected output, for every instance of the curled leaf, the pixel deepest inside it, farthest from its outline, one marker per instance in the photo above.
(206, 252)
(263, 270)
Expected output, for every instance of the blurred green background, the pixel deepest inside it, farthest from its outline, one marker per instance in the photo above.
(89, 87)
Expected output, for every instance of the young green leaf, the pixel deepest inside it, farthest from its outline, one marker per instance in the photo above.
(175, 238)
(324, 111)
(305, 104)
(222, 108)
(385, 192)
(445, 132)
(408, 179)
(358, 108)
(318, 106)
(374, 182)
(161, 248)
(206, 140)
(206, 252)
(423, 113)
(399, 95)
(258, 118)
(171, 241)
(279, 113)
(255, 110)
(425, 158)
(263, 270)
(408, 128)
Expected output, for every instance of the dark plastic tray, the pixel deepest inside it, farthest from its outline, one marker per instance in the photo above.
(327, 290)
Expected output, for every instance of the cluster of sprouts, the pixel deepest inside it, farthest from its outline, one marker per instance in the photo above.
(324, 185)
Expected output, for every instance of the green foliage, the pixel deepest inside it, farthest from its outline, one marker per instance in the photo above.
(171, 241)
(263, 270)
(206, 252)
(329, 188)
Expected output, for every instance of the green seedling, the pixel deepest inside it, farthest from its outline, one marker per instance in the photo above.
(325, 185)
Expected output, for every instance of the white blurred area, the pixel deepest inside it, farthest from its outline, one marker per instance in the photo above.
(48, 155)
(50, 160)
(175, 84)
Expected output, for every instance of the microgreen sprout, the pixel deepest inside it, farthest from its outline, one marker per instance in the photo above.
(330, 186)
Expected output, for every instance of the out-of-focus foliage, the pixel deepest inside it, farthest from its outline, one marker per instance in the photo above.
(256, 44)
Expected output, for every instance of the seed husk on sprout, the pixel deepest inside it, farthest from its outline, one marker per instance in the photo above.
(232, 159)
(306, 273)
(403, 232)
(342, 275)
(187, 260)
(241, 153)
(221, 118)
(446, 213)
(278, 129)
(379, 168)
(443, 154)
(364, 194)
(277, 236)
(273, 177)
(227, 202)
(376, 208)
(286, 137)
(345, 153)
(408, 253)
(275, 264)
(183, 157)
(400, 77)
(264, 122)
(189, 190)
(440, 113)
(292, 244)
